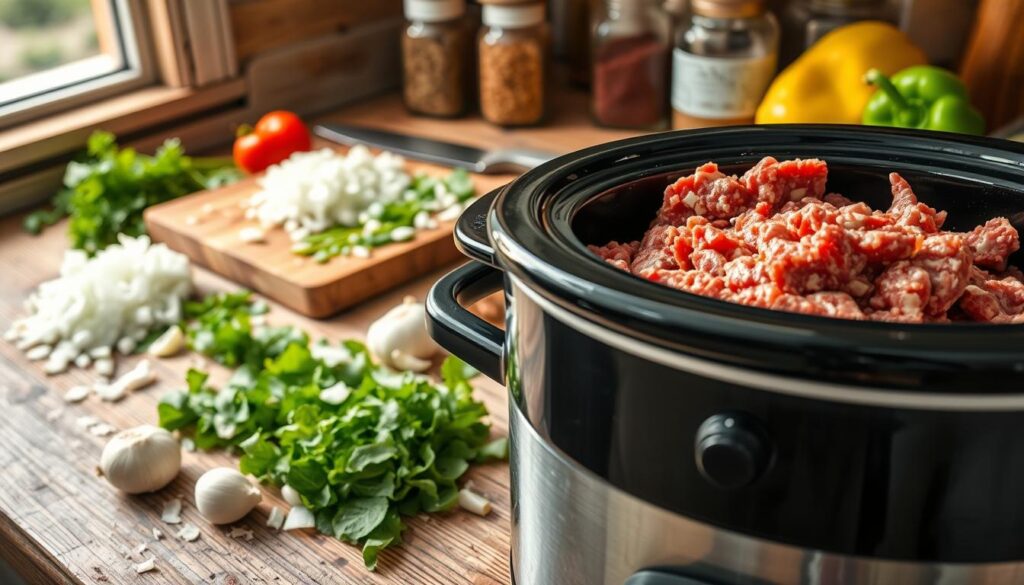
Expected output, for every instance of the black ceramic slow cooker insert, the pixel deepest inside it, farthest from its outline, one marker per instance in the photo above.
(701, 440)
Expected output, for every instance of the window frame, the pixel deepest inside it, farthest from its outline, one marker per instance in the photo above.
(130, 31)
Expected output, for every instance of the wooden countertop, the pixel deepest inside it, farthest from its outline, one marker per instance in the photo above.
(60, 523)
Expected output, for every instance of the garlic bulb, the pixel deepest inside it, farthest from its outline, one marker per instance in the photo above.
(141, 459)
(400, 340)
(224, 495)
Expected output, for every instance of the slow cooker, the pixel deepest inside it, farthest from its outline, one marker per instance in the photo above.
(664, 438)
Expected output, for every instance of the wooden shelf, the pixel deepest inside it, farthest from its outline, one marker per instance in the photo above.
(568, 126)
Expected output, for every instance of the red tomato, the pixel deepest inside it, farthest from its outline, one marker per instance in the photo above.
(276, 136)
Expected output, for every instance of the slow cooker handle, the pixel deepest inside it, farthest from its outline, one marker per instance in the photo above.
(457, 330)
(471, 230)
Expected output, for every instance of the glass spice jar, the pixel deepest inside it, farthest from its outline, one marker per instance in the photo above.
(630, 66)
(435, 63)
(513, 47)
(723, 61)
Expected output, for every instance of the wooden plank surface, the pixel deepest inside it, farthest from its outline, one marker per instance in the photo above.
(210, 238)
(61, 523)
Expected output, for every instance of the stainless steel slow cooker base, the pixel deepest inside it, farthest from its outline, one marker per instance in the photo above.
(572, 528)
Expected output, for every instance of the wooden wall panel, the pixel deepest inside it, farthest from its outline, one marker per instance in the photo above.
(260, 25)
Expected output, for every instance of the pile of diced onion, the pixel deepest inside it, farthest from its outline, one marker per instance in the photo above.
(111, 301)
(313, 191)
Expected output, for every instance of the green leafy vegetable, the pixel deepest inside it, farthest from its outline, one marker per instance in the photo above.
(388, 445)
(421, 196)
(106, 190)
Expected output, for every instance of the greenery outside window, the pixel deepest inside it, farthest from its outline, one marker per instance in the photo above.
(60, 54)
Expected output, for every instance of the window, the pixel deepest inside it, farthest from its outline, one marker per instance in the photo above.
(63, 53)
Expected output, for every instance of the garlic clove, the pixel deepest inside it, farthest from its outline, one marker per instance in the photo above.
(224, 495)
(290, 495)
(404, 361)
(299, 517)
(169, 343)
(276, 518)
(141, 459)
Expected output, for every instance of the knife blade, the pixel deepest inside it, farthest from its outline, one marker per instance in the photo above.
(506, 160)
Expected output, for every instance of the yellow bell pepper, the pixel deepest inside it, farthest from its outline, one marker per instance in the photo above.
(826, 84)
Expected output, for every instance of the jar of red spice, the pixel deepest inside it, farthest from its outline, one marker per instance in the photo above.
(631, 65)
(514, 44)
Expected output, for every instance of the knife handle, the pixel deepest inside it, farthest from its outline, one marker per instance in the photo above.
(514, 160)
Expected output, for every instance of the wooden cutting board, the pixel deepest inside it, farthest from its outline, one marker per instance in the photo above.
(205, 226)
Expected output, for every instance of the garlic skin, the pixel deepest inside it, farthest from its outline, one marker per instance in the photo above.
(141, 459)
(399, 339)
(224, 495)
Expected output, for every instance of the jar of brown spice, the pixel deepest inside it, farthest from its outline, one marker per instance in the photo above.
(435, 57)
(513, 48)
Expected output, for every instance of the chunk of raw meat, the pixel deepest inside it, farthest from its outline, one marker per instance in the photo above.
(948, 262)
(825, 304)
(901, 293)
(745, 272)
(657, 251)
(692, 281)
(992, 243)
(778, 183)
(907, 210)
(994, 300)
(708, 193)
(820, 261)
(886, 245)
(616, 254)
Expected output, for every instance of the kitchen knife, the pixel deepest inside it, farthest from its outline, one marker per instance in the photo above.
(505, 160)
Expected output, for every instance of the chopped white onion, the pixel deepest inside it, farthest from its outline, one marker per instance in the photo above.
(172, 512)
(138, 377)
(312, 191)
(111, 298)
(189, 532)
(474, 502)
(146, 565)
(77, 393)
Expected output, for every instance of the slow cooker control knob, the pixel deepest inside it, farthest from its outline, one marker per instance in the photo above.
(731, 450)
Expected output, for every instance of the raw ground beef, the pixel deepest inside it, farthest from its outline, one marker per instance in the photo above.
(774, 238)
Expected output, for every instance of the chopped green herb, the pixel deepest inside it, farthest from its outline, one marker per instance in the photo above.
(387, 445)
(106, 190)
(422, 196)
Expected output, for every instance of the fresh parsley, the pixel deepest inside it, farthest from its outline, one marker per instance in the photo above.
(106, 190)
(424, 194)
(363, 446)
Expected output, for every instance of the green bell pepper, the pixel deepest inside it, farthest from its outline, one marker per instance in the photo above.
(923, 97)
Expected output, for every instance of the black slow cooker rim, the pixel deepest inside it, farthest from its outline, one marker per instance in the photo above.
(533, 240)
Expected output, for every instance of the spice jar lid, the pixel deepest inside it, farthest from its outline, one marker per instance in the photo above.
(727, 8)
(434, 10)
(512, 15)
